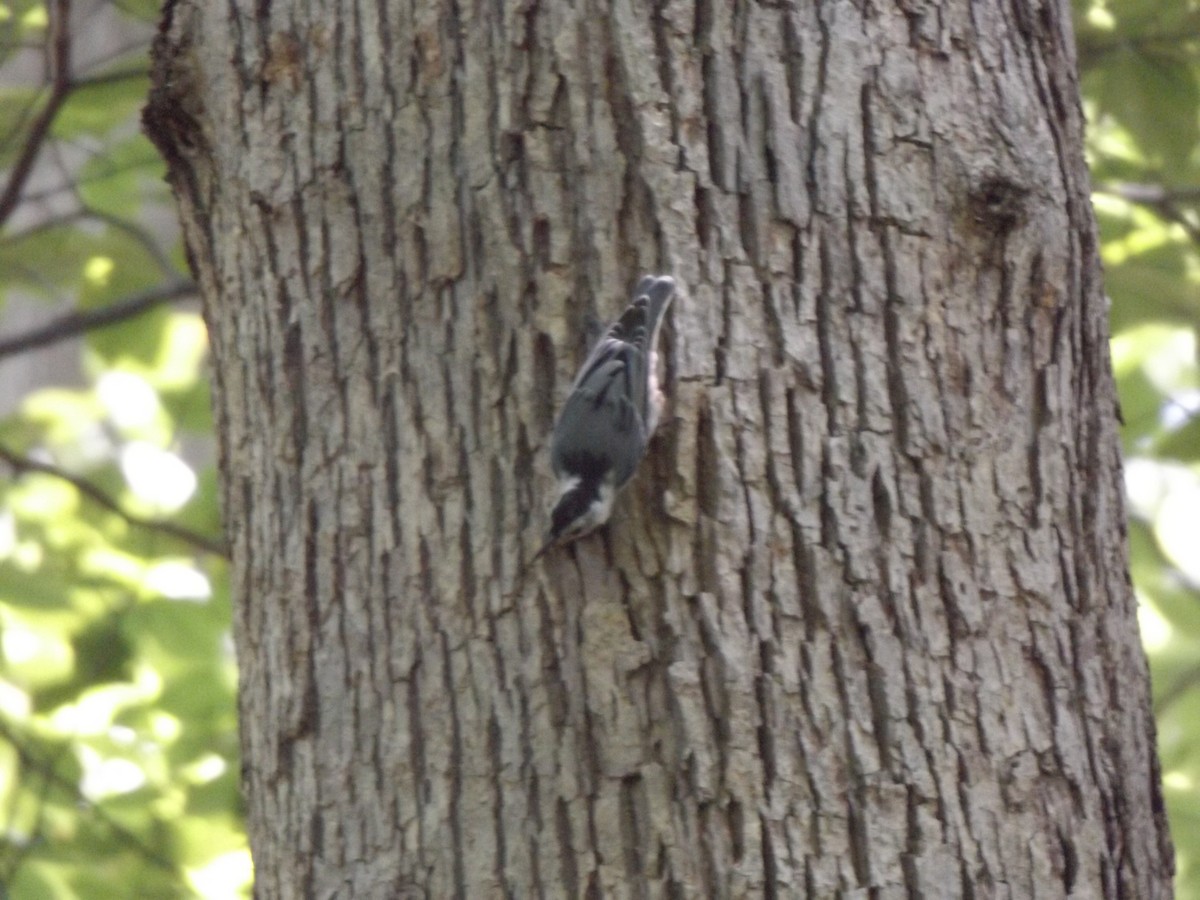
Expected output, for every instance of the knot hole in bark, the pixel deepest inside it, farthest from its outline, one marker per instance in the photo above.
(998, 204)
(174, 109)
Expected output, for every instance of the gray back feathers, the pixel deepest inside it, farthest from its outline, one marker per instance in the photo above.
(603, 425)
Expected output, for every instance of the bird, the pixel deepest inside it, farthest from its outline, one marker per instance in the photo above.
(611, 412)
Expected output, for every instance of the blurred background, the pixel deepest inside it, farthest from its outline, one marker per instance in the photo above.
(118, 727)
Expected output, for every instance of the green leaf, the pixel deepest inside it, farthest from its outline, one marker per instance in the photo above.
(48, 261)
(43, 589)
(38, 880)
(101, 107)
(203, 513)
(1141, 402)
(1155, 96)
(19, 107)
(135, 340)
(1182, 443)
(1146, 289)
(124, 178)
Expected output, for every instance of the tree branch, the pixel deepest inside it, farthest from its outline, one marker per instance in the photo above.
(22, 464)
(59, 37)
(73, 184)
(1161, 199)
(75, 323)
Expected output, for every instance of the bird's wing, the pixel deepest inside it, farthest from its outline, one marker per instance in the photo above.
(608, 406)
(599, 416)
(637, 328)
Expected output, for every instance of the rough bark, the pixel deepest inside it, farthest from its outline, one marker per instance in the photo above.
(862, 626)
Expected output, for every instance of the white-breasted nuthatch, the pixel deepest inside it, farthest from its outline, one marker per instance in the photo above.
(613, 408)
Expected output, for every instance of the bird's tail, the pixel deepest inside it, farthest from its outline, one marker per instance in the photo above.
(659, 291)
(653, 294)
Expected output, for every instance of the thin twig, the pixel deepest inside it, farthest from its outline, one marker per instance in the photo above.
(51, 775)
(82, 84)
(73, 184)
(1135, 192)
(42, 226)
(139, 45)
(75, 323)
(59, 37)
(132, 229)
(23, 851)
(21, 464)
(1092, 48)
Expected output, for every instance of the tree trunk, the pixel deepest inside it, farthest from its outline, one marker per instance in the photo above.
(861, 626)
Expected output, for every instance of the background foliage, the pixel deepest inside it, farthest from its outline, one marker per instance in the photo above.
(1139, 62)
(118, 730)
(118, 749)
